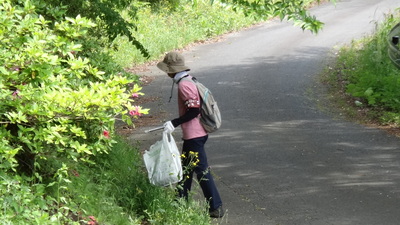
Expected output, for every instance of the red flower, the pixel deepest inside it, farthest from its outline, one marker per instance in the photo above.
(106, 134)
(75, 173)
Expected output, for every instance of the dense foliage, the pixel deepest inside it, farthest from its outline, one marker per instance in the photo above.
(57, 108)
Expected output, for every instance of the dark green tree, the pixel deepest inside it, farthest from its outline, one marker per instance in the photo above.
(107, 11)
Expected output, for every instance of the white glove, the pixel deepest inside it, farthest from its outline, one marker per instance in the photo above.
(168, 127)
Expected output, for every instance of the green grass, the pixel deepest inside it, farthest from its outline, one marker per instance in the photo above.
(363, 80)
(116, 190)
(169, 29)
(113, 190)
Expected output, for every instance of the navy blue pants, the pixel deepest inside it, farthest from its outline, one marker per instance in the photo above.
(202, 171)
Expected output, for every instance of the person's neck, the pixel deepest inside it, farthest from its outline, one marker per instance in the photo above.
(179, 76)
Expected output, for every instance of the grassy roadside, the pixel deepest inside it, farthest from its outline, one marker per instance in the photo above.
(362, 82)
(115, 190)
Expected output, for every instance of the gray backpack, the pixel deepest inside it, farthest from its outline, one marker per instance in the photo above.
(210, 116)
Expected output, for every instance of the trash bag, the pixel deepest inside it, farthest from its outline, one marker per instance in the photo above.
(163, 162)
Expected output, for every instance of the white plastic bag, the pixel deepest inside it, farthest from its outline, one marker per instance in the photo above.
(163, 162)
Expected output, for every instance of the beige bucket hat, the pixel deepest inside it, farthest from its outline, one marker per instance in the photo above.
(173, 63)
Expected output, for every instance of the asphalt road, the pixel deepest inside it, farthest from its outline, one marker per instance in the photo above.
(279, 159)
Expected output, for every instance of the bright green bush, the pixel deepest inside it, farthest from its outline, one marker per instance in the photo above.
(56, 108)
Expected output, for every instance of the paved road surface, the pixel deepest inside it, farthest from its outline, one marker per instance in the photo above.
(278, 158)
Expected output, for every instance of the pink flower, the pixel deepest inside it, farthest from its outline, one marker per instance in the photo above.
(135, 95)
(15, 94)
(106, 134)
(135, 112)
(92, 221)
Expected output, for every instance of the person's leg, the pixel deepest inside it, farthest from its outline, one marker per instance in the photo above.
(204, 176)
(210, 190)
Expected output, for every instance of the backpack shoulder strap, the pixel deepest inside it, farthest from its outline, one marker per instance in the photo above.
(184, 77)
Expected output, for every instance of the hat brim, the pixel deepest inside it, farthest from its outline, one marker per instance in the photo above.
(171, 69)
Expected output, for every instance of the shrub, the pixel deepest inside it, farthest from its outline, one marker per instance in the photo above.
(57, 108)
(373, 77)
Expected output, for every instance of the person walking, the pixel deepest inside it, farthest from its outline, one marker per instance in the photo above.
(194, 135)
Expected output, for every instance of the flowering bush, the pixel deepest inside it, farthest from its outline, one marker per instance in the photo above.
(57, 109)
(55, 105)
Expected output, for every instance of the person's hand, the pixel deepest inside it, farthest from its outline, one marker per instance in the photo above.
(168, 127)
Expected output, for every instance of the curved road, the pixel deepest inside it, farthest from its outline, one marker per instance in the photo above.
(278, 159)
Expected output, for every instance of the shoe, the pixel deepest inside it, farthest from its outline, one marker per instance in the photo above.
(217, 213)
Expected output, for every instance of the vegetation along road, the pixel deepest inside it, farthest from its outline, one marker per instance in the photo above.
(278, 158)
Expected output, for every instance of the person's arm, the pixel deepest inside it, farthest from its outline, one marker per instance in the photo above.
(189, 94)
(190, 114)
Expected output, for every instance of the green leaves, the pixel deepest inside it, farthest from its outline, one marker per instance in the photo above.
(74, 27)
(55, 103)
(16, 117)
(292, 10)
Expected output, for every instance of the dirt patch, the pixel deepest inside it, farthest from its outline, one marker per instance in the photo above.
(145, 80)
(138, 69)
(146, 99)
